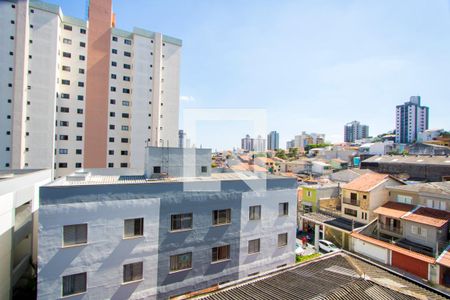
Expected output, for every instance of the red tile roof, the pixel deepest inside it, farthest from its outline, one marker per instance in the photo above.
(444, 259)
(366, 182)
(395, 248)
(394, 209)
(429, 216)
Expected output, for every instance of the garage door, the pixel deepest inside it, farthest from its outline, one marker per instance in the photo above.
(409, 264)
(367, 249)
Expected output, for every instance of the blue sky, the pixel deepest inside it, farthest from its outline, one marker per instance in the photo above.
(313, 65)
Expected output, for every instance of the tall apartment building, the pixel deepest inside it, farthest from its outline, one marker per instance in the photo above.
(253, 144)
(164, 237)
(83, 94)
(410, 120)
(273, 140)
(305, 139)
(355, 131)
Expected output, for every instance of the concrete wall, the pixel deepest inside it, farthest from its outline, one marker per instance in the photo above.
(428, 240)
(367, 249)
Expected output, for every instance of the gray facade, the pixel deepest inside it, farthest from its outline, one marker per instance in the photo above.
(177, 162)
(273, 140)
(105, 206)
(355, 131)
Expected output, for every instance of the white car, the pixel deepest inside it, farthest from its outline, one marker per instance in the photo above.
(327, 246)
(299, 250)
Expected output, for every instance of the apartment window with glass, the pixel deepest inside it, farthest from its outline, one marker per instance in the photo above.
(82, 57)
(221, 216)
(283, 209)
(253, 246)
(67, 54)
(133, 227)
(254, 212)
(127, 54)
(181, 222)
(65, 96)
(126, 78)
(133, 272)
(65, 82)
(67, 41)
(82, 44)
(181, 262)
(63, 151)
(82, 31)
(125, 128)
(282, 239)
(64, 109)
(81, 71)
(125, 103)
(350, 212)
(127, 42)
(75, 234)
(114, 64)
(66, 68)
(74, 284)
(68, 27)
(125, 115)
(114, 38)
(127, 66)
(126, 91)
(220, 253)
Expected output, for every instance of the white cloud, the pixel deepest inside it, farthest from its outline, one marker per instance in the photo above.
(187, 98)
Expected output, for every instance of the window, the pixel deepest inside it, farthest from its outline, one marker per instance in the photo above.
(283, 209)
(125, 115)
(157, 169)
(127, 42)
(181, 262)
(282, 239)
(353, 196)
(113, 89)
(124, 152)
(78, 165)
(78, 151)
(125, 103)
(181, 222)
(112, 101)
(79, 111)
(127, 54)
(112, 126)
(80, 97)
(81, 71)
(65, 82)
(221, 217)
(126, 78)
(417, 230)
(79, 124)
(80, 84)
(113, 76)
(253, 246)
(66, 68)
(63, 137)
(75, 234)
(204, 169)
(65, 96)
(124, 140)
(126, 91)
(79, 138)
(404, 199)
(125, 128)
(350, 212)
(110, 152)
(133, 227)
(74, 284)
(114, 64)
(64, 109)
(110, 165)
(81, 57)
(132, 272)
(68, 27)
(63, 151)
(67, 54)
(220, 253)
(124, 165)
(254, 212)
(82, 44)
(64, 123)
(82, 31)
(111, 140)
(127, 66)
(67, 41)
(114, 38)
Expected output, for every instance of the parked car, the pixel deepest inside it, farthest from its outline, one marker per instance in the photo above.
(327, 246)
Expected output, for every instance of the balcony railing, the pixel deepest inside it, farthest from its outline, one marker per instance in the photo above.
(350, 201)
(387, 227)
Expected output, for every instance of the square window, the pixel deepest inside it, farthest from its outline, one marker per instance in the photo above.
(68, 27)
(157, 169)
(283, 209)
(282, 239)
(221, 216)
(75, 234)
(132, 272)
(220, 253)
(181, 262)
(204, 169)
(74, 284)
(114, 38)
(254, 212)
(181, 222)
(82, 31)
(133, 227)
(254, 246)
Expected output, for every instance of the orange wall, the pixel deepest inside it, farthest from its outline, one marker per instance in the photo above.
(97, 84)
(409, 264)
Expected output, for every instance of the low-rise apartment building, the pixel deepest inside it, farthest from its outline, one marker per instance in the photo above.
(19, 203)
(119, 236)
(363, 195)
(431, 194)
(313, 194)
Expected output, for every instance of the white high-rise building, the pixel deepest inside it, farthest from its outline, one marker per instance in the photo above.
(78, 94)
(411, 119)
(355, 131)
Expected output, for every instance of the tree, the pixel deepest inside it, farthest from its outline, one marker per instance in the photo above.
(281, 154)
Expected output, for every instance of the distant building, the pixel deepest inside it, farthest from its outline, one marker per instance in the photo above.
(411, 119)
(181, 139)
(253, 144)
(355, 131)
(427, 149)
(429, 135)
(273, 140)
(304, 139)
(290, 144)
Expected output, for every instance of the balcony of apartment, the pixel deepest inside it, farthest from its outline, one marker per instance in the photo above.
(389, 228)
(351, 201)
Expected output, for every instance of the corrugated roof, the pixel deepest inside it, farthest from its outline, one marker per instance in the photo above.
(411, 159)
(366, 182)
(394, 209)
(438, 188)
(429, 216)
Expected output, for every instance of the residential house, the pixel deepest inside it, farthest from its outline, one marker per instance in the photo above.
(321, 168)
(431, 194)
(345, 176)
(363, 195)
(313, 194)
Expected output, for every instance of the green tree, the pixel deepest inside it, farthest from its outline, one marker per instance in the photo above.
(281, 154)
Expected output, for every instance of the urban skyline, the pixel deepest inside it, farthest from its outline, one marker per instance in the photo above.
(326, 83)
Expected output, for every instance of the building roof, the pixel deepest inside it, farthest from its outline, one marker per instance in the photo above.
(428, 216)
(348, 175)
(334, 221)
(444, 258)
(394, 209)
(393, 247)
(366, 182)
(247, 167)
(409, 159)
(437, 188)
(336, 276)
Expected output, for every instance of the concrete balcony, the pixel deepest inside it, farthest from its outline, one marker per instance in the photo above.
(351, 201)
(391, 229)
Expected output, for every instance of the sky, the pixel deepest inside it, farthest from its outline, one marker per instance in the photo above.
(311, 65)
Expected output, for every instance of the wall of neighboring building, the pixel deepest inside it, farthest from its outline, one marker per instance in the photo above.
(429, 238)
